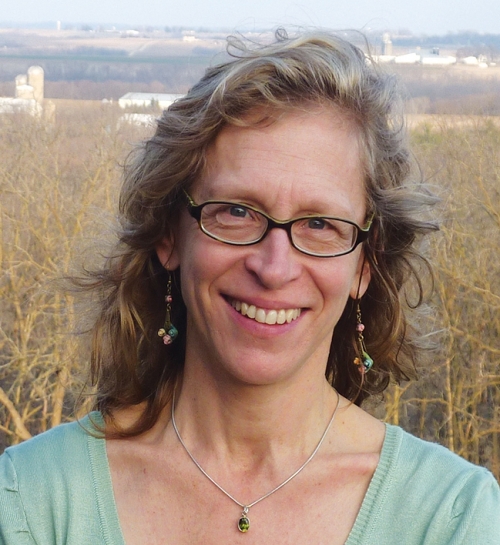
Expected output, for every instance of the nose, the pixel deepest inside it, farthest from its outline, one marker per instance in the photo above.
(273, 260)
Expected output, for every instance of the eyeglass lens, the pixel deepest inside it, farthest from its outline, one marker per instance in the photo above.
(238, 224)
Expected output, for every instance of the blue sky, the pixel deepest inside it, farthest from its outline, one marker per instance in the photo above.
(419, 16)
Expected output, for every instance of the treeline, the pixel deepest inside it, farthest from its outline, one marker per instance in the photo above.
(453, 90)
(59, 185)
(450, 40)
(174, 72)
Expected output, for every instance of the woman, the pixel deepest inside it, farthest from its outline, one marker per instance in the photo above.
(253, 302)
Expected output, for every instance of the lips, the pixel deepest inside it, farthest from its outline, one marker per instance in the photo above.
(266, 316)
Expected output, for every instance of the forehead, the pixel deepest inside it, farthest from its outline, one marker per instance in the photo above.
(301, 161)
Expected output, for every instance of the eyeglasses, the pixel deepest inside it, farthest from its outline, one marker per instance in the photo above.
(243, 225)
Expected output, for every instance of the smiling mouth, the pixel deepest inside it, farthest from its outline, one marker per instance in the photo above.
(263, 316)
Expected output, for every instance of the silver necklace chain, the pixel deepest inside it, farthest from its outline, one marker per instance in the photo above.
(244, 522)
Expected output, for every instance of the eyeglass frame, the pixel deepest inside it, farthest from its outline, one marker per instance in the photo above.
(195, 211)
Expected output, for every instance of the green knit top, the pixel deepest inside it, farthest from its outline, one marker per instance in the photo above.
(55, 489)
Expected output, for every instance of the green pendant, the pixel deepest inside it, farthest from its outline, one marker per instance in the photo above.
(244, 524)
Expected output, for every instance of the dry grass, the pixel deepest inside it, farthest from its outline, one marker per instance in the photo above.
(59, 185)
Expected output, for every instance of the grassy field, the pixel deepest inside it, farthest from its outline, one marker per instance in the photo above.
(59, 184)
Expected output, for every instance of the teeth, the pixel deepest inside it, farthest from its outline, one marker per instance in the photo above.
(263, 316)
(260, 316)
(272, 317)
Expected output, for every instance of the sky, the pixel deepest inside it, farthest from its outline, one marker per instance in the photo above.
(418, 16)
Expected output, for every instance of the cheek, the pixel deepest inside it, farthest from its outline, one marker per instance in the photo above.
(203, 262)
(339, 283)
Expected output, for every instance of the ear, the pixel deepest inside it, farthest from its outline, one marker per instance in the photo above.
(168, 254)
(362, 278)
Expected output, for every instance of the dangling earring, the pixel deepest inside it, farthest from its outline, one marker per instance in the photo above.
(168, 332)
(364, 362)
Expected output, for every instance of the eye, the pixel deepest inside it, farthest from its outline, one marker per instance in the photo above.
(323, 228)
(230, 215)
(238, 211)
(317, 223)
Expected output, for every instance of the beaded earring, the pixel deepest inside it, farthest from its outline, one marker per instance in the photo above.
(168, 332)
(363, 361)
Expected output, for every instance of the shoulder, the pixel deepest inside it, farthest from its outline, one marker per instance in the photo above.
(57, 459)
(47, 480)
(432, 463)
(62, 436)
(52, 453)
(432, 491)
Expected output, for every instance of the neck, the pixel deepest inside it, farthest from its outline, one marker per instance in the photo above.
(247, 424)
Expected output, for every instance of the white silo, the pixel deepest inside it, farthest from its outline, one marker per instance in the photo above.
(23, 90)
(21, 79)
(386, 39)
(35, 79)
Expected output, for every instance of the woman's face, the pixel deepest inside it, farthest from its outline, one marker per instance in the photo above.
(304, 163)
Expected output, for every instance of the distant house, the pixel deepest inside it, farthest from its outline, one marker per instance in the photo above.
(138, 120)
(29, 106)
(470, 61)
(163, 100)
(438, 60)
(409, 58)
(431, 58)
(476, 61)
(384, 58)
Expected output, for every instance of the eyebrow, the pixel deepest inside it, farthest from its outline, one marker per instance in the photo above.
(315, 208)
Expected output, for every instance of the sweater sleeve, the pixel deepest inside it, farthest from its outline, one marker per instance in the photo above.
(476, 511)
(14, 528)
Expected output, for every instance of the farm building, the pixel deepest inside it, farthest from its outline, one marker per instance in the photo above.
(9, 105)
(29, 94)
(163, 100)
